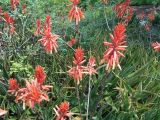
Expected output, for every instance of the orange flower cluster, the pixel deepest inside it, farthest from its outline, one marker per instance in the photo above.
(40, 75)
(78, 70)
(14, 4)
(13, 85)
(48, 40)
(34, 92)
(149, 17)
(75, 12)
(7, 18)
(24, 8)
(124, 11)
(9, 21)
(113, 53)
(71, 42)
(141, 15)
(38, 27)
(62, 111)
(91, 65)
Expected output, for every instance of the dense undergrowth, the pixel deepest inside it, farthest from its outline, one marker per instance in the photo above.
(128, 94)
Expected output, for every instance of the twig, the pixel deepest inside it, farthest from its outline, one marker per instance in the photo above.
(89, 92)
(68, 45)
(78, 98)
(101, 67)
(68, 87)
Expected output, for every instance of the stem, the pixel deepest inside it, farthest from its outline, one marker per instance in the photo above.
(68, 45)
(89, 92)
(106, 19)
(78, 98)
(77, 32)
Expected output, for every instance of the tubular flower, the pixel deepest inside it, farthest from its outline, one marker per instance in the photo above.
(40, 75)
(75, 2)
(75, 12)
(151, 16)
(24, 8)
(14, 4)
(124, 11)
(13, 85)
(156, 46)
(90, 66)
(78, 56)
(77, 71)
(71, 42)
(38, 27)
(62, 111)
(113, 53)
(49, 41)
(10, 21)
(141, 15)
(33, 93)
(2, 112)
(48, 23)
(147, 26)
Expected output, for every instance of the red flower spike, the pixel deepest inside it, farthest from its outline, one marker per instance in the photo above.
(147, 27)
(75, 2)
(10, 21)
(90, 66)
(124, 11)
(33, 93)
(62, 111)
(48, 23)
(14, 4)
(64, 107)
(113, 53)
(151, 16)
(156, 46)
(38, 27)
(77, 71)
(49, 41)
(13, 85)
(2, 112)
(24, 8)
(78, 56)
(12, 29)
(141, 15)
(75, 13)
(71, 42)
(40, 75)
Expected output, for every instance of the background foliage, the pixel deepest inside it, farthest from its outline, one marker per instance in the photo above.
(130, 94)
